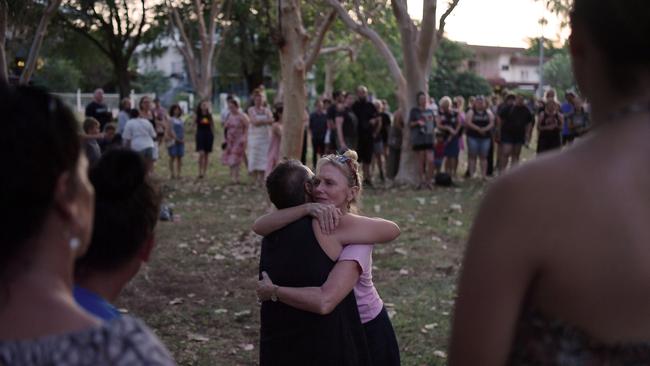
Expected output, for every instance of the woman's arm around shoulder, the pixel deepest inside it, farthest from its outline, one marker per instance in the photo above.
(327, 216)
(355, 229)
(320, 300)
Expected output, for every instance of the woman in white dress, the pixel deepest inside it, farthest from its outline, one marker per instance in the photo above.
(259, 137)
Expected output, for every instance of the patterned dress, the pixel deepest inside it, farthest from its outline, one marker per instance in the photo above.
(259, 138)
(123, 341)
(237, 127)
(550, 342)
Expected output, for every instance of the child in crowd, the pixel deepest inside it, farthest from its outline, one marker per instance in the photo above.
(91, 135)
(111, 139)
(438, 152)
(175, 140)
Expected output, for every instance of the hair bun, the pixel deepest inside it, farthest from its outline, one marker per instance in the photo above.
(351, 154)
(118, 175)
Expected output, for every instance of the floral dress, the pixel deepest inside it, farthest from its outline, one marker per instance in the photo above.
(237, 127)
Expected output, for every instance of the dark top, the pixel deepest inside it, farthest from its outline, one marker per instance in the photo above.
(385, 127)
(543, 341)
(122, 341)
(288, 336)
(100, 112)
(550, 119)
(331, 112)
(449, 118)
(514, 120)
(93, 152)
(204, 123)
(480, 119)
(318, 125)
(349, 128)
(365, 111)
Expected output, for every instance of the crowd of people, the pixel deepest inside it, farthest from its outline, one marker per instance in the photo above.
(543, 282)
(491, 130)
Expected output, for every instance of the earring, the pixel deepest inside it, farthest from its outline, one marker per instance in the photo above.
(74, 243)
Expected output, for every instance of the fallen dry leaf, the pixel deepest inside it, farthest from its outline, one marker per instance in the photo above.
(197, 337)
(176, 301)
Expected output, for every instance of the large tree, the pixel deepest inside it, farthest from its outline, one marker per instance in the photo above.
(200, 25)
(298, 53)
(418, 45)
(115, 27)
(3, 39)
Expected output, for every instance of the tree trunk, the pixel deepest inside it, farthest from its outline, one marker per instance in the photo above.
(292, 61)
(3, 36)
(409, 172)
(41, 32)
(121, 73)
(330, 68)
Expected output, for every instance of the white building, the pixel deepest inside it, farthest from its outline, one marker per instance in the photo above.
(505, 66)
(170, 62)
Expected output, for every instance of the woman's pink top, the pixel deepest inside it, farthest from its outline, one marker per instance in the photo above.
(368, 299)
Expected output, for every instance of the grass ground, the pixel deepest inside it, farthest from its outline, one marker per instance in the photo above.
(198, 292)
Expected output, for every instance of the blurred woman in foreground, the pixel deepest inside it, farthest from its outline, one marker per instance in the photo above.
(562, 276)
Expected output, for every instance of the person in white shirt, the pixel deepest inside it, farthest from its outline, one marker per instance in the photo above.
(139, 136)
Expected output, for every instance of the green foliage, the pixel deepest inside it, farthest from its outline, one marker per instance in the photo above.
(153, 81)
(558, 72)
(549, 48)
(58, 75)
(447, 79)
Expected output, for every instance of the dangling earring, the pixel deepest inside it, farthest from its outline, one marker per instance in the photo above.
(74, 243)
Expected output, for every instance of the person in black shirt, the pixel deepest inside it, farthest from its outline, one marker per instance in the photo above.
(367, 117)
(98, 110)
(293, 257)
(338, 98)
(516, 125)
(318, 129)
(346, 125)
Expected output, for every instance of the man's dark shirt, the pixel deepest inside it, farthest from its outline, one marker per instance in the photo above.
(100, 112)
(289, 336)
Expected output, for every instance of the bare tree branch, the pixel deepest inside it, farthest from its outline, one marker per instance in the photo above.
(89, 37)
(426, 34)
(376, 40)
(136, 40)
(443, 18)
(202, 29)
(41, 32)
(319, 36)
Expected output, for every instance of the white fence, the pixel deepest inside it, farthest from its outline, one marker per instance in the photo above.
(78, 101)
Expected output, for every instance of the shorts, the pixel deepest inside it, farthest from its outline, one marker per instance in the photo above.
(364, 150)
(147, 153)
(423, 147)
(176, 150)
(511, 139)
(478, 146)
(378, 147)
(204, 140)
(452, 148)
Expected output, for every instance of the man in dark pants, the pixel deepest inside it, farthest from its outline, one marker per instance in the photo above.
(368, 118)
(293, 257)
(318, 129)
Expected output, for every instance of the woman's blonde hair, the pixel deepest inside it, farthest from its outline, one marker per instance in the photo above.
(348, 165)
(444, 100)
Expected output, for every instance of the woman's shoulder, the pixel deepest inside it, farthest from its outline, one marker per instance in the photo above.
(124, 340)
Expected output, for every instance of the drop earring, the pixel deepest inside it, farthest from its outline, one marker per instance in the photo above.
(74, 243)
